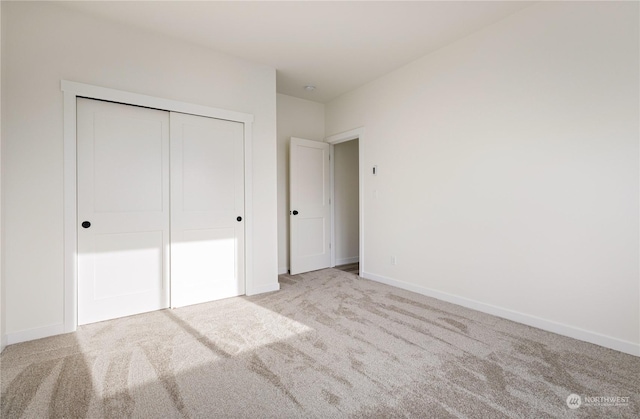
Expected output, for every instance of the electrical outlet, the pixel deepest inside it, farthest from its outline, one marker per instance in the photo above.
(394, 260)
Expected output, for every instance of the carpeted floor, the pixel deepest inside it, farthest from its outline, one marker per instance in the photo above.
(328, 345)
(352, 268)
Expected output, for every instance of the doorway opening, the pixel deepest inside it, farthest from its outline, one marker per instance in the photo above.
(347, 220)
(346, 206)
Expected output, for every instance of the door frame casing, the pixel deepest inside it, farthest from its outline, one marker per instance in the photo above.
(354, 134)
(71, 91)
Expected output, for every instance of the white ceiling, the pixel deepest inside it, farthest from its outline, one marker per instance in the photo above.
(336, 46)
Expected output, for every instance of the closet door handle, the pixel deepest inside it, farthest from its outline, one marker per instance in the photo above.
(295, 212)
(86, 224)
(239, 218)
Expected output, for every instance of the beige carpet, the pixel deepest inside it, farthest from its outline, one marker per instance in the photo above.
(352, 268)
(328, 345)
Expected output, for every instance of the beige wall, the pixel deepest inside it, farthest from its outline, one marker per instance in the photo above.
(44, 43)
(509, 170)
(346, 202)
(296, 118)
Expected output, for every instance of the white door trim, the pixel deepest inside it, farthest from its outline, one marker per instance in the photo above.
(342, 137)
(72, 91)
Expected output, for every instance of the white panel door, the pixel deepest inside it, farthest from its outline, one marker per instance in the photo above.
(310, 212)
(123, 210)
(207, 207)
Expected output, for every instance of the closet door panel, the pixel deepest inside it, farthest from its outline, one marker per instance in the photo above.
(123, 210)
(207, 209)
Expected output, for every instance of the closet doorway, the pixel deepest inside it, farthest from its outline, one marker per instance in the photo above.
(160, 209)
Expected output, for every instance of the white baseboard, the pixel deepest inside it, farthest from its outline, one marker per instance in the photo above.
(58, 329)
(283, 271)
(37, 333)
(347, 261)
(548, 325)
(264, 288)
(3, 343)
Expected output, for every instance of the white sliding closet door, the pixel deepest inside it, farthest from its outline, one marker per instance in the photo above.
(207, 209)
(123, 210)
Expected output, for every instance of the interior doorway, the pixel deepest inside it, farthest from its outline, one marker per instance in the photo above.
(346, 206)
(347, 198)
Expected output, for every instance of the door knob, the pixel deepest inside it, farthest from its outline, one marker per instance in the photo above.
(295, 212)
(86, 224)
(239, 218)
